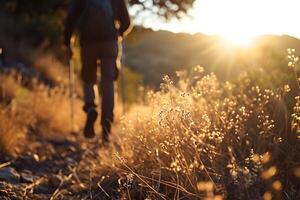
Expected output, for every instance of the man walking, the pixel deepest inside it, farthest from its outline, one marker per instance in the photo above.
(99, 23)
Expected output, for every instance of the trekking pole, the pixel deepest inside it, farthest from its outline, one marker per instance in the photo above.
(123, 93)
(71, 87)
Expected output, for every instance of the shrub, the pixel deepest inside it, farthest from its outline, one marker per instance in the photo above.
(201, 138)
(36, 108)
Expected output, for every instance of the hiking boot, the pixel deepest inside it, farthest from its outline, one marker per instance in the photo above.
(105, 140)
(89, 131)
(105, 137)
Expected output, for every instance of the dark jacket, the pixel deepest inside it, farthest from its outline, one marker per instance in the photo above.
(77, 7)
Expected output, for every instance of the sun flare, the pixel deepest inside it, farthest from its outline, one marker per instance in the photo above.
(235, 20)
(238, 39)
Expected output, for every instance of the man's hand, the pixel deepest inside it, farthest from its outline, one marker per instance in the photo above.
(69, 52)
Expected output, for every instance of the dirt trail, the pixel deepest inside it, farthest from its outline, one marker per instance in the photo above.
(60, 169)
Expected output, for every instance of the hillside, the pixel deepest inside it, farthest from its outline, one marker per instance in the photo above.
(155, 54)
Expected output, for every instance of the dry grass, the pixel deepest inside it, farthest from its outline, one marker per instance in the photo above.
(33, 106)
(12, 122)
(196, 139)
(11, 133)
(51, 109)
(50, 68)
(203, 139)
(9, 87)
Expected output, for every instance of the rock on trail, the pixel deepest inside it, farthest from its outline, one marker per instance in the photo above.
(10, 175)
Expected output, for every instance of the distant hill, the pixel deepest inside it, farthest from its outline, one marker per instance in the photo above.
(155, 54)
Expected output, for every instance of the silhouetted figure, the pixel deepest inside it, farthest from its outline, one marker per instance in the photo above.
(100, 23)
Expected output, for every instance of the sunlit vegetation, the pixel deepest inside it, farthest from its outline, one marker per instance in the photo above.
(30, 105)
(203, 139)
(197, 137)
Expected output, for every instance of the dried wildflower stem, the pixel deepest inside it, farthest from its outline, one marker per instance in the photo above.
(5, 164)
(141, 179)
(186, 166)
(205, 169)
(101, 188)
(167, 183)
(297, 80)
(30, 187)
(62, 182)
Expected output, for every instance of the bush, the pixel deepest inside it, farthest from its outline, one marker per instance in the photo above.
(201, 138)
(30, 106)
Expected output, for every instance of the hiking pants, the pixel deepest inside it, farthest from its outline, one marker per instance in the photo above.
(104, 56)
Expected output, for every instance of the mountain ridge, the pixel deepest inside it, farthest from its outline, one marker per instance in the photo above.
(158, 53)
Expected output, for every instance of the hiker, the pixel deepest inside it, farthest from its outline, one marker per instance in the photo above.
(100, 24)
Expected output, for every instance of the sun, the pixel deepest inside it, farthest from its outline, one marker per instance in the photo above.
(237, 21)
(238, 39)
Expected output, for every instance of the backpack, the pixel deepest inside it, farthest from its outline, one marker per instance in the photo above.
(97, 22)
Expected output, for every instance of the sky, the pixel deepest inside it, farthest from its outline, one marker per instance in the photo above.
(237, 19)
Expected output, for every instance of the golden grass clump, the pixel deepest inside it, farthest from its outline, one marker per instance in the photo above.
(9, 87)
(200, 138)
(51, 109)
(13, 122)
(50, 68)
(34, 107)
(11, 133)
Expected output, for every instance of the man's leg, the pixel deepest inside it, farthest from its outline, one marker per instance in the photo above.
(108, 71)
(89, 77)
